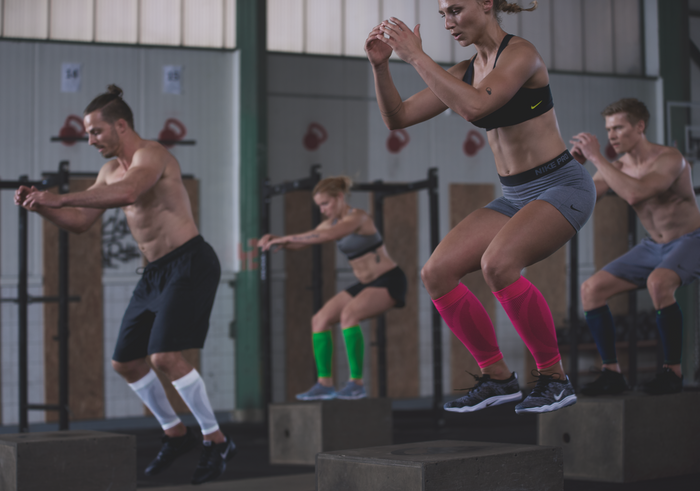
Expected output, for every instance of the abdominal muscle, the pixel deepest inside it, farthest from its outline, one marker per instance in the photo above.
(524, 146)
(372, 265)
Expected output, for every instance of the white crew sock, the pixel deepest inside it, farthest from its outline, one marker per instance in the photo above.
(192, 390)
(152, 393)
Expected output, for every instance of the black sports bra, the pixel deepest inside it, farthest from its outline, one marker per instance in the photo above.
(526, 104)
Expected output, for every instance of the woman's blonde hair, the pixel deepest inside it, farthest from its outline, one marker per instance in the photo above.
(333, 186)
(509, 8)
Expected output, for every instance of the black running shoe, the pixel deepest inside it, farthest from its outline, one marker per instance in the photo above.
(212, 462)
(172, 449)
(664, 382)
(608, 383)
(549, 394)
(485, 393)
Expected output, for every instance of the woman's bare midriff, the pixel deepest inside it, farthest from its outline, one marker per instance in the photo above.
(372, 265)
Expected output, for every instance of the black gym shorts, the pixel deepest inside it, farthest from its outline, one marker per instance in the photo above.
(170, 307)
(393, 280)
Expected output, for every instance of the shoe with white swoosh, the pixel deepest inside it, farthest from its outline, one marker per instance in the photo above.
(487, 392)
(550, 393)
(212, 461)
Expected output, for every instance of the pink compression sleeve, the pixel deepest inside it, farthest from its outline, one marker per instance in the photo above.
(528, 311)
(468, 320)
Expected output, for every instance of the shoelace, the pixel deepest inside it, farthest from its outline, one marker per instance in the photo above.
(479, 381)
(542, 382)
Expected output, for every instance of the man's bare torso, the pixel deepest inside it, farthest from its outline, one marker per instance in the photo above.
(161, 219)
(672, 213)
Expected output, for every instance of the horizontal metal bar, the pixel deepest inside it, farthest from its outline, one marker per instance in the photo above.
(287, 187)
(177, 142)
(388, 189)
(44, 407)
(69, 138)
(40, 299)
(15, 184)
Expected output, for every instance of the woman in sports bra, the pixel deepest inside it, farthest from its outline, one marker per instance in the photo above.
(381, 286)
(547, 195)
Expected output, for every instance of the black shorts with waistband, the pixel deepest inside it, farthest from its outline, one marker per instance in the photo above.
(171, 304)
(393, 280)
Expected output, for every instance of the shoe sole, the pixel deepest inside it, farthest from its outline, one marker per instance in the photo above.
(567, 401)
(192, 445)
(319, 398)
(491, 401)
(351, 398)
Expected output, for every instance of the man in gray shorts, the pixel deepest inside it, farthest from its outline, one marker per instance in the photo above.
(655, 180)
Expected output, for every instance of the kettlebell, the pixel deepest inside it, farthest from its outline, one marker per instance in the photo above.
(72, 128)
(473, 143)
(173, 130)
(315, 136)
(397, 140)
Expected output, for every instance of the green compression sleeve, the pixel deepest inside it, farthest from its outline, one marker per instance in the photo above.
(323, 352)
(355, 345)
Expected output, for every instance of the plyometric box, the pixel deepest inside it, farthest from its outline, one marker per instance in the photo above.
(626, 438)
(299, 431)
(68, 461)
(442, 466)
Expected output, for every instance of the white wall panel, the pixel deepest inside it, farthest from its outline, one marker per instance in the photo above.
(26, 19)
(652, 62)
(627, 29)
(72, 20)
(437, 42)
(203, 23)
(404, 10)
(567, 36)
(537, 28)
(230, 24)
(160, 22)
(360, 18)
(116, 21)
(285, 25)
(598, 47)
(324, 27)
(511, 23)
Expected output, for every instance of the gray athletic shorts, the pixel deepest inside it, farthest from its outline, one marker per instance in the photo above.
(681, 256)
(562, 182)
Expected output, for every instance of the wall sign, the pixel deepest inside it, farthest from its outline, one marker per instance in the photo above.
(172, 79)
(70, 77)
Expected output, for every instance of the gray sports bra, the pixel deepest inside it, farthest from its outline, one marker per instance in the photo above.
(355, 245)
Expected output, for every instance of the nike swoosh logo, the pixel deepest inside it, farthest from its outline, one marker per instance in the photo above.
(572, 207)
(556, 398)
(225, 454)
(533, 107)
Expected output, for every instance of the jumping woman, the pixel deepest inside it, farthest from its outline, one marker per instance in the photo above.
(547, 195)
(382, 284)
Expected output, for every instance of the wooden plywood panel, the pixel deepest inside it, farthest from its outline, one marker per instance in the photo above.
(300, 368)
(85, 319)
(464, 199)
(401, 239)
(191, 355)
(610, 240)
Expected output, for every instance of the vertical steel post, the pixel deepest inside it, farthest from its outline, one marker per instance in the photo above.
(63, 187)
(632, 303)
(436, 319)
(378, 198)
(23, 302)
(316, 252)
(573, 310)
(265, 293)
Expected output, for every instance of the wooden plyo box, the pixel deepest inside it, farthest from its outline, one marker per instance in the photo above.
(442, 466)
(299, 431)
(626, 438)
(67, 461)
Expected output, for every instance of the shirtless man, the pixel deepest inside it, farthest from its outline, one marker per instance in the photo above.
(656, 181)
(169, 310)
